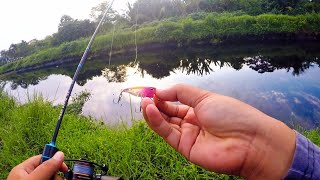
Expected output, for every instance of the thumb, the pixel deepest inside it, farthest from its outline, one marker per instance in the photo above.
(183, 93)
(49, 168)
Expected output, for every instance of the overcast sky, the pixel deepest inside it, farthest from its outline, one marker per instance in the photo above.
(35, 19)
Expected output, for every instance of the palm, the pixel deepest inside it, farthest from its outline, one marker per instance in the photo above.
(219, 143)
(207, 142)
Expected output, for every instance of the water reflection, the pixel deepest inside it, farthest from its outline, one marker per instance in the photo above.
(115, 73)
(281, 80)
(299, 65)
(198, 66)
(189, 61)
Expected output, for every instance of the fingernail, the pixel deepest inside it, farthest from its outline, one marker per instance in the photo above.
(59, 156)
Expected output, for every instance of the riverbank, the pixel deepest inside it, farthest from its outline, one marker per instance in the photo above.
(209, 28)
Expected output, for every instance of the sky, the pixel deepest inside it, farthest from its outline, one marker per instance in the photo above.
(36, 19)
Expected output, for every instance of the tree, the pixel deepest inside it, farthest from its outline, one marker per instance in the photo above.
(98, 11)
(71, 29)
(149, 10)
(4, 58)
(192, 5)
(65, 20)
(15, 52)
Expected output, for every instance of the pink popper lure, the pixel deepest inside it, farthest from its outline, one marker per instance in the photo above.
(139, 91)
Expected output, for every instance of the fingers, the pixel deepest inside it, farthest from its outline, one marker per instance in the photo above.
(30, 164)
(172, 120)
(63, 168)
(49, 168)
(167, 116)
(57, 177)
(157, 123)
(173, 110)
(183, 93)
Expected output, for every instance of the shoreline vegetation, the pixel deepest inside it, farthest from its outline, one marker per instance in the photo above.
(133, 152)
(195, 29)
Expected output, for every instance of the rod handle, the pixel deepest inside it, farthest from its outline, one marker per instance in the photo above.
(48, 152)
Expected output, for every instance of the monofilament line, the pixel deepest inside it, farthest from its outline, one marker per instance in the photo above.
(135, 34)
(110, 54)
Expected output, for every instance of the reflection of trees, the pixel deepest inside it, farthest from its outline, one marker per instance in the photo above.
(263, 64)
(236, 63)
(14, 86)
(259, 64)
(300, 68)
(86, 75)
(196, 66)
(115, 73)
(158, 71)
(2, 85)
(161, 62)
(24, 82)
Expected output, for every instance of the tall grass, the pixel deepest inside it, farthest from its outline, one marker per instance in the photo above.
(131, 152)
(183, 30)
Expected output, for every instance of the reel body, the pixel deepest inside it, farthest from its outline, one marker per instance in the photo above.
(85, 170)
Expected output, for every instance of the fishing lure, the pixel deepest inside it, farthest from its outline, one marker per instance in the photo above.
(139, 91)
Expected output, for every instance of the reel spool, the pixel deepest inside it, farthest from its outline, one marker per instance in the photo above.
(85, 170)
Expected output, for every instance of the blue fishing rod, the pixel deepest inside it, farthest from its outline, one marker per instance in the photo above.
(51, 148)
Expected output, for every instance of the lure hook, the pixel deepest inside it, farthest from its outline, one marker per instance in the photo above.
(140, 110)
(119, 99)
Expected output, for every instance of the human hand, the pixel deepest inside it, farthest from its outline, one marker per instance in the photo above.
(220, 133)
(32, 169)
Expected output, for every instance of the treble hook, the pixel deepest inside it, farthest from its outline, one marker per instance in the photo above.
(140, 106)
(119, 99)
(135, 109)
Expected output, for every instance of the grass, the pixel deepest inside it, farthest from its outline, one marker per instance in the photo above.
(213, 26)
(130, 152)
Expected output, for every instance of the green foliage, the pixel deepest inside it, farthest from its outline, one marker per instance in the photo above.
(148, 13)
(313, 135)
(70, 29)
(149, 10)
(131, 152)
(78, 102)
(168, 30)
(218, 26)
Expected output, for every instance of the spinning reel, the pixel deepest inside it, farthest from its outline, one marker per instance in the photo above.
(84, 169)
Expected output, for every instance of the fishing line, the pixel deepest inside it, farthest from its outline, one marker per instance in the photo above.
(136, 44)
(135, 33)
(50, 149)
(55, 95)
(110, 54)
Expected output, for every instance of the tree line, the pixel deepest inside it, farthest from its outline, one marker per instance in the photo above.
(145, 11)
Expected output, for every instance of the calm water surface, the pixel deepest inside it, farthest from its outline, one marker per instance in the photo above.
(280, 80)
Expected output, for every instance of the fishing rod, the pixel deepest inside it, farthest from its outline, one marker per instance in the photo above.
(51, 148)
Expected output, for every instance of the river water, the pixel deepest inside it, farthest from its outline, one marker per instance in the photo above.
(282, 80)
